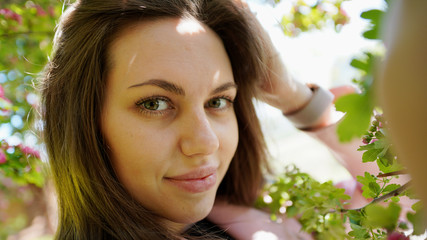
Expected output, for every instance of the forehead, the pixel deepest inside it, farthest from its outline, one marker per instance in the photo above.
(168, 48)
(155, 35)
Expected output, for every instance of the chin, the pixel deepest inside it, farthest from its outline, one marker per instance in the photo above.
(194, 216)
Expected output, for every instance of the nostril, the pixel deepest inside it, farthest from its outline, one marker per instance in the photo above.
(199, 139)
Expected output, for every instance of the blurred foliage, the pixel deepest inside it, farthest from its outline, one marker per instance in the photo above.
(295, 193)
(316, 205)
(26, 33)
(307, 15)
(359, 106)
(319, 207)
(376, 221)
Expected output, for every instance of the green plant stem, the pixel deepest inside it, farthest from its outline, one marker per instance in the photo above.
(391, 194)
(382, 188)
(393, 173)
(379, 199)
(372, 234)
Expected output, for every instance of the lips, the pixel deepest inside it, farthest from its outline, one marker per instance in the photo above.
(197, 181)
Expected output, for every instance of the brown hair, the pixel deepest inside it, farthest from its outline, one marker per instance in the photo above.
(92, 202)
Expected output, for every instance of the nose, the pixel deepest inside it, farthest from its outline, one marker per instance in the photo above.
(198, 137)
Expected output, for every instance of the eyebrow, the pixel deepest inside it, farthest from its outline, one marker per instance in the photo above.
(224, 87)
(171, 87)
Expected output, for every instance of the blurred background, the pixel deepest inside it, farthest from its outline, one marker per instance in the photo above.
(317, 40)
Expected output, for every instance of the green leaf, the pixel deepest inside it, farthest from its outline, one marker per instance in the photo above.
(379, 135)
(374, 187)
(386, 167)
(381, 143)
(359, 232)
(417, 206)
(371, 155)
(371, 34)
(355, 216)
(418, 222)
(385, 154)
(403, 226)
(358, 109)
(385, 162)
(356, 63)
(291, 211)
(378, 216)
(366, 181)
(374, 15)
(391, 187)
(366, 147)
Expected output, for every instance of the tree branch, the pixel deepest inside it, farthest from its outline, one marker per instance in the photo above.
(389, 195)
(393, 173)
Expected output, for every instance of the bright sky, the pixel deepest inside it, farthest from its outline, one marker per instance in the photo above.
(323, 56)
(320, 57)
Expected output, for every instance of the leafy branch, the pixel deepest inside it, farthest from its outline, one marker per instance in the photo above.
(316, 205)
(395, 173)
(319, 207)
(308, 15)
(382, 198)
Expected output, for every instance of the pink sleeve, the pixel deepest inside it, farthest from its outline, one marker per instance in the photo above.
(244, 223)
(345, 153)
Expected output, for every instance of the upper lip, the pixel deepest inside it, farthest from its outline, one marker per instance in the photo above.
(198, 173)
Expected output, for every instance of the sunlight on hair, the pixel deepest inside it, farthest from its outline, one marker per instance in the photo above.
(189, 26)
(263, 235)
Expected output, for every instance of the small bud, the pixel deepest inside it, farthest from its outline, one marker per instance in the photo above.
(29, 151)
(2, 157)
(40, 11)
(375, 123)
(379, 117)
(373, 128)
(366, 139)
(397, 236)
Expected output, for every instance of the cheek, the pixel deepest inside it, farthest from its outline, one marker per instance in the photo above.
(139, 150)
(137, 153)
(229, 136)
(140, 160)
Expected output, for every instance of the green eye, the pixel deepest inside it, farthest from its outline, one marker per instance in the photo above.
(154, 104)
(217, 103)
(151, 104)
(214, 103)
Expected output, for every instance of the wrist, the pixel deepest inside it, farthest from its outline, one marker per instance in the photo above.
(298, 96)
(316, 111)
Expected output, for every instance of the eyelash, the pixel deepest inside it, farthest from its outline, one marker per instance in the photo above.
(229, 100)
(144, 110)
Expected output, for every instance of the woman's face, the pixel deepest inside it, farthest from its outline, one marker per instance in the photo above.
(168, 116)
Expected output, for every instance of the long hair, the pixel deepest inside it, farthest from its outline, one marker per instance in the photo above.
(92, 202)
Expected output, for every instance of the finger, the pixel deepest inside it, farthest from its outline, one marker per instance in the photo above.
(341, 91)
